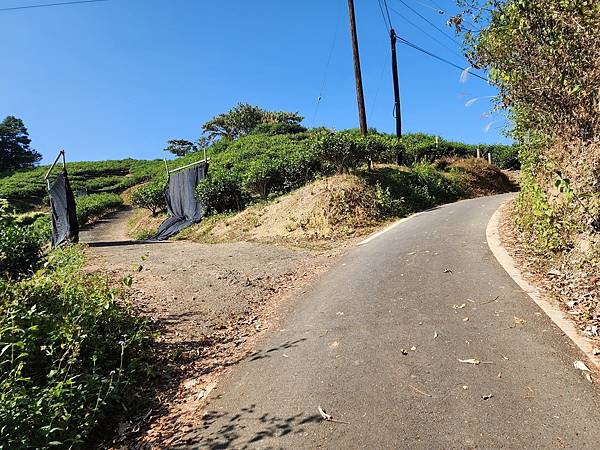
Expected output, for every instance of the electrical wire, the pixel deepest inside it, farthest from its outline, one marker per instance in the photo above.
(439, 58)
(337, 26)
(387, 12)
(388, 25)
(436, 9)
(428, 21)
(453, 50)
(45, 5)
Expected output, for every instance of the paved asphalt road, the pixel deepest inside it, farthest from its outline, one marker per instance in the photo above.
(341, 347)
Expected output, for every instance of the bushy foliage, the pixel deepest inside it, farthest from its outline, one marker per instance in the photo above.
(92, 177)
(69, 355)
(544, 57)
(272, 129)
(180, 147)
(95, 205)
(20, 245)
(341, 151)
(423, 186)
(150, 196)
(243, 118)
(257, 165)
(221, 192)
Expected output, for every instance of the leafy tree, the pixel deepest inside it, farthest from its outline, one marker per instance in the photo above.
(150, 196)
(544, 58)
(180, 147)
(243, 118)
(15, 152)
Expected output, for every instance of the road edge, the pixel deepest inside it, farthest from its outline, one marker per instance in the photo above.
(560, 319)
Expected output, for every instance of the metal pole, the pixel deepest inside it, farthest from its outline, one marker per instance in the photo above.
(362, 115)
(166, 167)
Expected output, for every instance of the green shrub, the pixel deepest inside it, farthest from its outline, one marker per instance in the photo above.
(70, 354)
(257, 165)
(222, 192)
(342, 151)
(95, 205)
(20, 245)
(150, 196)
(272, 129)
(387, 204)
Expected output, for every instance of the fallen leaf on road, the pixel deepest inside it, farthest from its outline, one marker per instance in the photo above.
(419, 391)
(459, 306)
(519, 321)
(580, 365)
(403, 351)
(328, 417)
(413, 348)
(435, 335)
(324, 415)
(465, 387)
(596, 351)
(447, 271)
(588, 377)
(466, 319)
(487, 396)
(473, 361)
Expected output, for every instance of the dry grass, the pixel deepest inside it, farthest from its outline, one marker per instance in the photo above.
(330, 208)
(481, 178)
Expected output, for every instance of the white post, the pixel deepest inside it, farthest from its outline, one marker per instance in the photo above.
(490, 158)
(478, 153)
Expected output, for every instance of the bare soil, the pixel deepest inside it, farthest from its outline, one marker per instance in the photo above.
(210, 301)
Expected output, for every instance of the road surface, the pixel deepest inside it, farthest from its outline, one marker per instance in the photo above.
(376, 342)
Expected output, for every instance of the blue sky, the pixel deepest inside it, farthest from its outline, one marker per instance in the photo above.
(119, 78)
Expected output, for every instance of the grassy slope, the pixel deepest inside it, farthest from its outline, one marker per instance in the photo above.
(344, 206)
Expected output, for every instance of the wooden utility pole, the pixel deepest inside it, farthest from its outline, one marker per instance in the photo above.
(397, 113)
(362, 115)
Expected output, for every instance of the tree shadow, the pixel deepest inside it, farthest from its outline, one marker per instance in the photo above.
(243, 429)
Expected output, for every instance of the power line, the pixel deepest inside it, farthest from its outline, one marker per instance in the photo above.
(51, 4)
(337, 26)
(428, 21)
(453, 50)
(388, 25)
(436, 9)
(439, 58)
(387, 12)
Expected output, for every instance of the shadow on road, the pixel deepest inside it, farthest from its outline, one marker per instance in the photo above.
(222, 430)
(121, 243)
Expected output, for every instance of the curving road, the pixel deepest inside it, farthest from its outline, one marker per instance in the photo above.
(343, 347)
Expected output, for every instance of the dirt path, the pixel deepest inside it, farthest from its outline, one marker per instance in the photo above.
(210, 302)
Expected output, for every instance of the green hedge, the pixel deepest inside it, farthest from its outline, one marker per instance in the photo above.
(70, 355)
(256, 166)
(93, 176)
(20, 245)
(95, 205)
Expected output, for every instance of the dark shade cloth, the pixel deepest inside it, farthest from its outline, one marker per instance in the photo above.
(183, 207)
(65, 228)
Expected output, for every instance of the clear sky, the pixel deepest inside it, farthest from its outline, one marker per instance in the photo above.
(119, 78)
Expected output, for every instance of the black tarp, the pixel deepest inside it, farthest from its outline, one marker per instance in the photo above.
(182, 205)
(65, 228)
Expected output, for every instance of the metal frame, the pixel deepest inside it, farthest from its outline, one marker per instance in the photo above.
(169, 172)
(60, 153)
